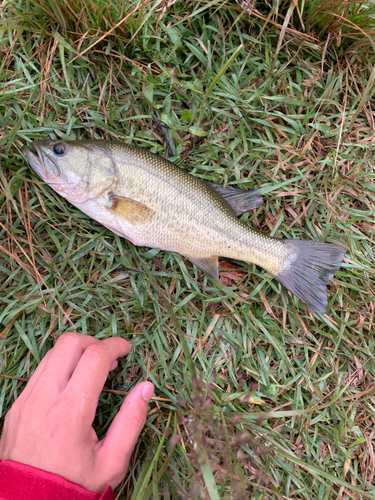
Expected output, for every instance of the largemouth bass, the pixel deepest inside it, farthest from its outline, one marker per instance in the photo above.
(152, 202)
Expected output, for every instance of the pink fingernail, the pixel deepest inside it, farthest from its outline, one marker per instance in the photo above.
(147, 391)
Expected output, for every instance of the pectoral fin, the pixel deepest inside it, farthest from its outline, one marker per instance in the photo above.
(210, 265)
(133, 211)
(240, 200)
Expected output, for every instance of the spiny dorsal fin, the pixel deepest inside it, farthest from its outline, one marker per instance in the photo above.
(240, 200)
(133, 211)
(210, 265)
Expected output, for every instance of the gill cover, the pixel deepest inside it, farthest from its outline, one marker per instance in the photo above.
(81, 170)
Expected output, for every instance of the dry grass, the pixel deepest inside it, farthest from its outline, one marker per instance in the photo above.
(276, 96)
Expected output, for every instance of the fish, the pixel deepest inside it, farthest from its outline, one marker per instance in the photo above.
(152, 202)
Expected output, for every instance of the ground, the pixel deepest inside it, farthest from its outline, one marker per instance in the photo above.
(270, 95)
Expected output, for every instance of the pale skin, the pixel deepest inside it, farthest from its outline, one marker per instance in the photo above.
(50, 424)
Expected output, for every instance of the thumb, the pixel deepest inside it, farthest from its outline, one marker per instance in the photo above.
(123, 433)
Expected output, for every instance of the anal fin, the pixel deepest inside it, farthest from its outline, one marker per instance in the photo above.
(210, 265)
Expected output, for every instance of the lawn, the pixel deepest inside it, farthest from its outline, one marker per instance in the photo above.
(256, 395)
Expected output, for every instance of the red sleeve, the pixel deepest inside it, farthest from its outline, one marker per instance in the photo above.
(23, 482)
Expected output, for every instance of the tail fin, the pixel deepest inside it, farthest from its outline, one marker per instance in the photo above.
(312, 268)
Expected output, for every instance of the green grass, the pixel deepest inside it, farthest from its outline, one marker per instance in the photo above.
(276, 96)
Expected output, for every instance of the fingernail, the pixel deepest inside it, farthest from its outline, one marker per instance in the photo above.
(148, 391)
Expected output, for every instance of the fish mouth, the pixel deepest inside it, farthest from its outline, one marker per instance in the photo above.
(36, 158)
(42, 161)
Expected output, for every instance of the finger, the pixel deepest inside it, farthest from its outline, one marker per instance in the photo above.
(116, 448)
(113, 366)
(33, 379)
(57, 366)
(64, 358)
(86, 383)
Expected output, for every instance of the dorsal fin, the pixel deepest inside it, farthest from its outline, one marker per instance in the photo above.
(240, 200)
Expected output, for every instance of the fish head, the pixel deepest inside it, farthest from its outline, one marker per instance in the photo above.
(78, 170)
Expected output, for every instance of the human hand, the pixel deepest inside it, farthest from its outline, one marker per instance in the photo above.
(50, 424)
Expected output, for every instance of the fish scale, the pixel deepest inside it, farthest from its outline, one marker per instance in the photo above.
(197, 221)
(153, 202)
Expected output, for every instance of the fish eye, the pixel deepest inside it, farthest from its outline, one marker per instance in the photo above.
(59, 149)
